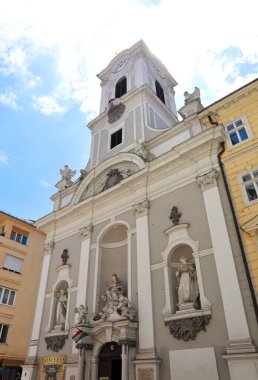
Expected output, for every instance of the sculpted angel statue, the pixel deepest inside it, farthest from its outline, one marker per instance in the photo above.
(187, 281)
(82, 312)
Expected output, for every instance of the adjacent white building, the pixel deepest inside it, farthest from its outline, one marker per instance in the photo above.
(144, 241)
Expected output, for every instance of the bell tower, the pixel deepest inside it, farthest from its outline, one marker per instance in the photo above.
(137, 103)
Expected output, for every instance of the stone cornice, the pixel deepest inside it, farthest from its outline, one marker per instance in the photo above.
(207, 180)
(241, 152)
(175, 168)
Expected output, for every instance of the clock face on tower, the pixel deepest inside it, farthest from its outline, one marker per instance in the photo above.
(120, 65)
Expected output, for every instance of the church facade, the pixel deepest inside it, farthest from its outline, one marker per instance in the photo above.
(140, 278)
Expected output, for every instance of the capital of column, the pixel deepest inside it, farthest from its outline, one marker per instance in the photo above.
(48, 247)
(86, 231)
(141, 209)
(127, 342)
(207, 180)
(84, 346)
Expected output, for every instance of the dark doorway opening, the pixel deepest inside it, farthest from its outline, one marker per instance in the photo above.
(110, 364)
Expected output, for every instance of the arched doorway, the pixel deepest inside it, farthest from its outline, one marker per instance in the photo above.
(110, 364)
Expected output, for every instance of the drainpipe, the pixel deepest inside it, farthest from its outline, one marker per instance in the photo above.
(239, 238)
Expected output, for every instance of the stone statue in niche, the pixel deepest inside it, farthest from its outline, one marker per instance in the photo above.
(190, 98)
(117, 305)
(187, 283)
(61, 309)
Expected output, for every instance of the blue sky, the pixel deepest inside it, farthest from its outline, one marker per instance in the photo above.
(51, 52)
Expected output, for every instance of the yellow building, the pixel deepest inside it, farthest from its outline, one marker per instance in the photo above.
(21, 253)
(238, 112)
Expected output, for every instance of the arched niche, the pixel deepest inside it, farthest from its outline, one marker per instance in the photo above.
(180, 244)
(62, 285)
(113, 258)
(179, 251)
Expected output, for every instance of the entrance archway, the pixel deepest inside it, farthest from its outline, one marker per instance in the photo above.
(110, 364)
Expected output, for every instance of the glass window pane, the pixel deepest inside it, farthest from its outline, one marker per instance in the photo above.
(243, 134)
(4, 331)
(11, 298)
(18, 238)
(239, 123)
(246, 177)
(24, 240)
(13, 235)
(5, 296)
(234, 138)
(230, 127)
(1, 289)
(251, 192)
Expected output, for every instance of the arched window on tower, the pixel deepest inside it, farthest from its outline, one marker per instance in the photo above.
(121, 87)
(159, 91)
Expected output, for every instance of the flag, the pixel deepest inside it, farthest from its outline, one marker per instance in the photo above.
(78, 335)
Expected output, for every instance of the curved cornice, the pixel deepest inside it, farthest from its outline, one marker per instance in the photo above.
(104, 166)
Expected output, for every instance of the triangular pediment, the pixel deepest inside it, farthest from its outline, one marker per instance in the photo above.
(108, 174)
(251, 226)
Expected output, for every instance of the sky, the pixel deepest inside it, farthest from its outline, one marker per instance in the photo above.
(52, 50)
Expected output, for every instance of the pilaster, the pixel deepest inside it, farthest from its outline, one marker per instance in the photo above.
(145, 308)
(230, 291)
(48, 249)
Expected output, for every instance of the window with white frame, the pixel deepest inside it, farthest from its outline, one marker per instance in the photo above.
(13, 264)
(3, 332)
(237, 131)
(250, 182)
(7, 296)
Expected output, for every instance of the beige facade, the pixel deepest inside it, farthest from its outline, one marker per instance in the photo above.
(21, 253)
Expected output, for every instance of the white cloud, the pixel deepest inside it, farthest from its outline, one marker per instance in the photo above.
(47, 105)
(187, 36)
(9, 99)
(44, 183)
(4, 159)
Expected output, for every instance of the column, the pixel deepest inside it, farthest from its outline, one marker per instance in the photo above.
(83, 269)
(84, 265)
(80, 369)
(88, 350)
(240, 344)
(146, 330)
(124, 356)
(48, 248)
(94, 368)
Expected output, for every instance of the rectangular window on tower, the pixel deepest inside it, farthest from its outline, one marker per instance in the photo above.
(116, 138)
